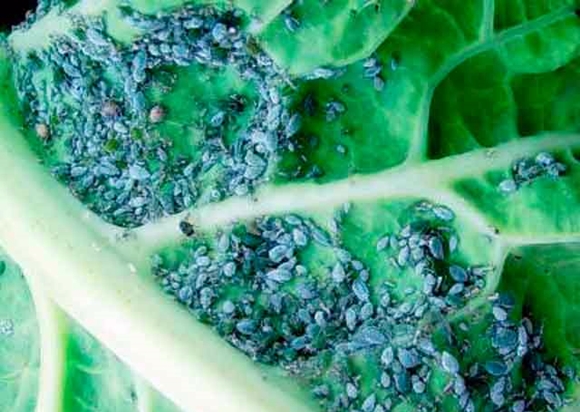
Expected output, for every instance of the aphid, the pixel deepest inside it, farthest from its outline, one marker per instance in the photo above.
(279, 252)
(369, 336)
(338, 273)
(403, 256)
(383, 243)
(229, 269)
(458, 273)
(402, 382)
(378, 83)
(385, 380)
(453, 243)
(449, 363)
(496, 392)
(186, 228)
(369, 403)
(457, 289)
(360, 289)
(508, 186)
(504, 338)
(137, 172)
(217, 119)
(321, 237)
(496, 368)
(436, 247)
(499, 313)
(366, 311)
(185, 293)
(350, 318)
(333, 110)
(351, 390)
(418, 385)
(228, 307)
(408, 358)
(519, 406)
(459, 387)
(387, 356)
(246, 326)
(96, 37)
(279, 275)
(443, 213)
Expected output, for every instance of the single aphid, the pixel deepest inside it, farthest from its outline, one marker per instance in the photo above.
(186, 228)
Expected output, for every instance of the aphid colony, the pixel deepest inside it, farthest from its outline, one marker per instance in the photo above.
(255, 285)
(87, 94)
(529, 169)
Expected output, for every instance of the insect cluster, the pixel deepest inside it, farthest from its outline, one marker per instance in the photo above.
(359, 342)
(89, 101)
(529, 169)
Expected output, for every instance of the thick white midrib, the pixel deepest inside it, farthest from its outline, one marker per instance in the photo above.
(50, 397)
(428, 180)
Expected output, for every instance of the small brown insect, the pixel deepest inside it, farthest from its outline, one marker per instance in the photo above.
(42, 131)
(157, 114)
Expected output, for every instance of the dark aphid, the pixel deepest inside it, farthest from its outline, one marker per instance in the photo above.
(186, 228)
(236, 103)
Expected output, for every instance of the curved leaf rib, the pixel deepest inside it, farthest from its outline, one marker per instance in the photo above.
(395, 183)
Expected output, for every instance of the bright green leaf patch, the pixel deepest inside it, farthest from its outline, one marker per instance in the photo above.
(19, 341)
(512, 13)
(95, 379)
